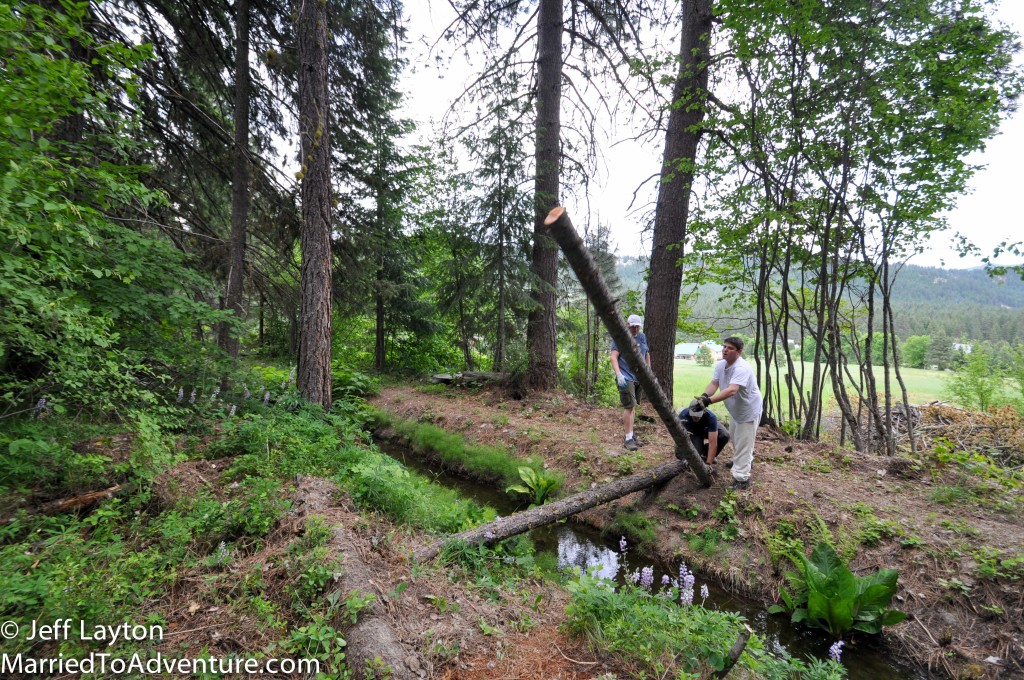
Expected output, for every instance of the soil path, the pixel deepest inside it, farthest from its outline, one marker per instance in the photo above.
(962, 623)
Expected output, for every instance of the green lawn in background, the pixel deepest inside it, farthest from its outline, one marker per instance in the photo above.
(923, 386)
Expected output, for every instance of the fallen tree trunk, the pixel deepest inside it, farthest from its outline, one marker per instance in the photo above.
(82, 501)
(521, 522)
(593, 284)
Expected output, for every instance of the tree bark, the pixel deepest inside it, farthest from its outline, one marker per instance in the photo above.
(379, 346)
(590, 278)
(541, 330)
(240, 181)
(81, 501)
(521, 522)
(672, 210)
(314, 375)
(737, 649)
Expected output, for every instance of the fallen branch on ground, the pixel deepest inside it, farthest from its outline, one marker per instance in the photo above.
(81, 501)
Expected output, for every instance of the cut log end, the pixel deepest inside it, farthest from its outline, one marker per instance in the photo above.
(553, 215)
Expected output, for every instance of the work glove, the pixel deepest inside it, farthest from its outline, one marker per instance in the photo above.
(621, 380)
(704, 399)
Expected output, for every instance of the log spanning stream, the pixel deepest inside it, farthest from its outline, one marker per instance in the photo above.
(578, 545)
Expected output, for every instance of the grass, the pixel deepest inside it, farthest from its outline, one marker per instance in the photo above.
(654, 634)
(923, 386)
(482, 461)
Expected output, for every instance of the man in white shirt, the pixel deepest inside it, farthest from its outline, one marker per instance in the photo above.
(743, 401)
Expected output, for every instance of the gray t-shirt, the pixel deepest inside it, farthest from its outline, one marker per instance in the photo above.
(627, 372)
(744, 406)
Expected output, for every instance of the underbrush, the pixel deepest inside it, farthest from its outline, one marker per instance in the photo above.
(123, 559)
(116, 563)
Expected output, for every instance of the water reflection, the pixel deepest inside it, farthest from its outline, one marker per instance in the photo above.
(576, 552)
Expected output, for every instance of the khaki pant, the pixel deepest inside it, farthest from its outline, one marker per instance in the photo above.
(742, 449)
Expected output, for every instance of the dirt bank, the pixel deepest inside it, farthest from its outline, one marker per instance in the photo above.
(966, 619)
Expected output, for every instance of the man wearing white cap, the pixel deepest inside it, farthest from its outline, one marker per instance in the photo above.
(629, 388)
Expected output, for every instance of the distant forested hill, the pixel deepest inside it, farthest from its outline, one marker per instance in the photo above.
(929, 285)
(959, 303)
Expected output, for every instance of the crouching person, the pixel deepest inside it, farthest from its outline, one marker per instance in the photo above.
(706, 434)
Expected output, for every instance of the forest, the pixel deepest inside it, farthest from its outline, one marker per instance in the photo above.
(222, 234)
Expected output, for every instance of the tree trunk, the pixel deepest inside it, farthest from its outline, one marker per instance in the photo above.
(379, 347)
(521, 522)
(314, 375)
(541, 330)
(464, 333)
(590, 278)
(262, 319)
(681, 140)
(240, 181)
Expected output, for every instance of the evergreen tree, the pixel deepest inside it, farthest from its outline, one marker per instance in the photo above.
(314, 372)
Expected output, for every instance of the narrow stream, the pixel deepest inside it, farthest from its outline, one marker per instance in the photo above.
(579, 545)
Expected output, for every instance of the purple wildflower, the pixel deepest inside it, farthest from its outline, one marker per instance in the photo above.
(647, 578)
(216, 391)
(686, 581)
(245, 391)
(231, 413)
(622, 544)
(665, 581)
(266, 397)
(181, 395)
(192, 397)
(835, 652)
(704, 592)
(634, 577)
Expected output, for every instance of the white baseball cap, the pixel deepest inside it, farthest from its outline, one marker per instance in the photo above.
(635, 320)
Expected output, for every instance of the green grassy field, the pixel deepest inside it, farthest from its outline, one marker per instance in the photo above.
(922, 386)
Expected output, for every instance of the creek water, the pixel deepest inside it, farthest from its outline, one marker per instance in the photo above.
(582, 546)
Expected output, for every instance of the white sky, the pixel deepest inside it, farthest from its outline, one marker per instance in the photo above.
(991, 213)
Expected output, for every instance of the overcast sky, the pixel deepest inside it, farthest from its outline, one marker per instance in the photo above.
(991, 213)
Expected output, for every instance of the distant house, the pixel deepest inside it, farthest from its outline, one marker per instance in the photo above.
(962, 347)
(688, 350)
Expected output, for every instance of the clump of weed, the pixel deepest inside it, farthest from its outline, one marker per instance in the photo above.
(636, 526)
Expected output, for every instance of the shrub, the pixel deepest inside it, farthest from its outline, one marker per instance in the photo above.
(827, 595)
(538, 485)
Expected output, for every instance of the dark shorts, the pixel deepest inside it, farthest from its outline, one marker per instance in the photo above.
(629, 396)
